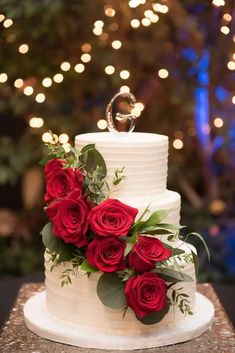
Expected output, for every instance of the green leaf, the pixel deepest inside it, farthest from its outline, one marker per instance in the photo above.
(171, 226)
(157, 217)
(154, 317)
(47, 158)
(85, 266)
(155, 230)
(128, 248)
(88, 147)
(110, 290)
(170, 275)
(92, 159)
(143, 214)
(175, 251)
(57, 245)
(117, 181)
(195, 261)
(203, 241)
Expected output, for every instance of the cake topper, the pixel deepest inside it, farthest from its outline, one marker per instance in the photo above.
(119, 116)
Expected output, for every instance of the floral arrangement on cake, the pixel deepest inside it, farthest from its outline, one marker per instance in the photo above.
(93, 232)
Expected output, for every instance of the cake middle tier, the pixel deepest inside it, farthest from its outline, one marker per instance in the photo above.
(143, 156)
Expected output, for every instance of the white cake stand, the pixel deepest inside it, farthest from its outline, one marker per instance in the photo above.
(40, 321)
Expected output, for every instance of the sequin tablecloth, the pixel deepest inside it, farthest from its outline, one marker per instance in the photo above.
(16, 338)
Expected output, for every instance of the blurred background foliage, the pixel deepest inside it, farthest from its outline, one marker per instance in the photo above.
(60, 64)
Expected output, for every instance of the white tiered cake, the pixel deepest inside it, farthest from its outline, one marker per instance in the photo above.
(145, 159)
(74, 314)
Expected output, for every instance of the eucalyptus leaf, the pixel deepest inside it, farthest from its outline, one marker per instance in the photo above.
(88, 147)
(170, 275)
(154, 317)
(92, 159)
(57, 245)
(110, 290)
(85, 266)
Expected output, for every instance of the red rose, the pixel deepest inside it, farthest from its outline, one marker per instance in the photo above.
(112, 217)
(70, 218)
(146, 294)
(106, 254)
(146, 252)
(60, 181)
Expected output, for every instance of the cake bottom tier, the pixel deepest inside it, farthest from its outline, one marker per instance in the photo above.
(78, 303)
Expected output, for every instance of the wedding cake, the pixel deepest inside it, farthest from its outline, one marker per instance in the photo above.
(118, 274)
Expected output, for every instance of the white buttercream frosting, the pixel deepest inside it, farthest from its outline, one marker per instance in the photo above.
(78, 303)
(144, 157)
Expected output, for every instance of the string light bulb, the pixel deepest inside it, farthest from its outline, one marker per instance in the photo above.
(47, 82)
(86, 57)
(18, 83)
(65, 66)
(146, 22)
(79, 68)
(58, 78)
(28, 90)
(47, 137)
(40, 98)
(231, 65)
(139, 106)
(225, 30)
(124, 74)
(102, 124)
(86, 47)
(218, 2)
(2, 17)
(125, 89)
(227, 17)
(154, 18)
(109, 70)
(63, 138)
(148, 13)
(109, 11)
(23, 48)
(36, 122)
(178, 144)
(99, 24)
(163, 73)
(233, 99)
(134, 3)
(7, 23)
(135, 23)
(97, 31)
(116, 44)
(3, 77)
(218, 122)
(160, 8)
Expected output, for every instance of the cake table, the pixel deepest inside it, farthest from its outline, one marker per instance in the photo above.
(16, 338)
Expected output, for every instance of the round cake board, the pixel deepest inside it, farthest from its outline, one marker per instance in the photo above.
(39, 320)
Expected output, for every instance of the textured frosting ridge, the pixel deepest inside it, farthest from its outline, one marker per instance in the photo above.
(79, 303)
(144, 156)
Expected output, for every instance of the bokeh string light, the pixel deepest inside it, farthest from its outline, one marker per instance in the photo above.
(98, 30)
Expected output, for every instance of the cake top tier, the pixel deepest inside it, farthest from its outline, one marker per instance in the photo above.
(143, 156)
(134, 138)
